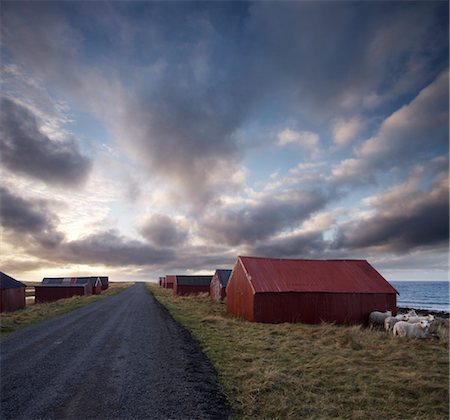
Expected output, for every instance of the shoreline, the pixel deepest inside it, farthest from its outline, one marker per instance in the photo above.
(423, 312)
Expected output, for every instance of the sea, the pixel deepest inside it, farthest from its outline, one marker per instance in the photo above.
(431, 295)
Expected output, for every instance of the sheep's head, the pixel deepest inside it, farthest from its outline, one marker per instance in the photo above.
(424, 324)
(430, 318)
(404, 317)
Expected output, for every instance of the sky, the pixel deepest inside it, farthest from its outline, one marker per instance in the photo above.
(140, 139)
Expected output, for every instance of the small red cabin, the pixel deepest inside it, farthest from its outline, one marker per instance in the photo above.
(12, 293)
(310, 291)
(55, 288)
(219, 282)
(52, 292)
(191, 285)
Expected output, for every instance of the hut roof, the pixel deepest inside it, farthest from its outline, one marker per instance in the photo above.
(224, 276)
(7, 282)
(51, 285)
(333, 276)
(52, 280)
(87, 280)
(194, 280)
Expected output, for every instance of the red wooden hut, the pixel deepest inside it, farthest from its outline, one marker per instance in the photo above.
(169, 282)
(219, 282)
(191, 285)
(12, 293)
(55, 288)
(52, 292)
(309, 291)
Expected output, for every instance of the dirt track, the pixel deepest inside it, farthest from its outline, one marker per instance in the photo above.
(120, 358)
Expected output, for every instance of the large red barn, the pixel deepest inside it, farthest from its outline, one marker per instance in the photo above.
(12, 293)
(191, 285)
(310, 291)
(219, 282)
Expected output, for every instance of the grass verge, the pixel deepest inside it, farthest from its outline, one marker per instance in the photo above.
(16, 320)
(316, 371)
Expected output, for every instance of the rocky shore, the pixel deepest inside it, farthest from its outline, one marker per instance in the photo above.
(423, 312)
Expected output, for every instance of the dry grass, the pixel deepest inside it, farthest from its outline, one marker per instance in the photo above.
(316, 371)
(13, 321)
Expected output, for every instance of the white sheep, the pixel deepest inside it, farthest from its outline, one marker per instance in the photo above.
(405, 329)
(390, 321)
(377, 318)
(416, 319)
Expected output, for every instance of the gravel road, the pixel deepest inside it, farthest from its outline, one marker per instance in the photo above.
(123, 357)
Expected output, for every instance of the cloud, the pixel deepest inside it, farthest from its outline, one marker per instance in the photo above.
(406, 217)
(180, 120)
(234, 225)
(163, 231)
(112, 249)
(415, 130)
(344, 131)
(300, 245)
(306, 139)
(306, 61)
(414, 133)
(27, 150)
(28, 219)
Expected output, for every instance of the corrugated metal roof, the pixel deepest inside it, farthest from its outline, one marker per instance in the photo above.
(86, 280)
(72, 280)
(52, 280)
(224, 276)
(335, 276)
(194, 280)
(7, 282)
(48, 286)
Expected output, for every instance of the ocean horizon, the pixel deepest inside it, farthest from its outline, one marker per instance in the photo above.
(425, 294)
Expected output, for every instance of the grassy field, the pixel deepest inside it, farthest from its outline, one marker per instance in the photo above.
(13, 321)
(316, 371)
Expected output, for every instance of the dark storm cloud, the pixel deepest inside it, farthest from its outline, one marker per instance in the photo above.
(328, 56)
(414, 134)
(302, 245)
(112, 249)
(25, 149)
(162, 231)
(256, 222)
(209, 258)
(403, 220)
(25, 219)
